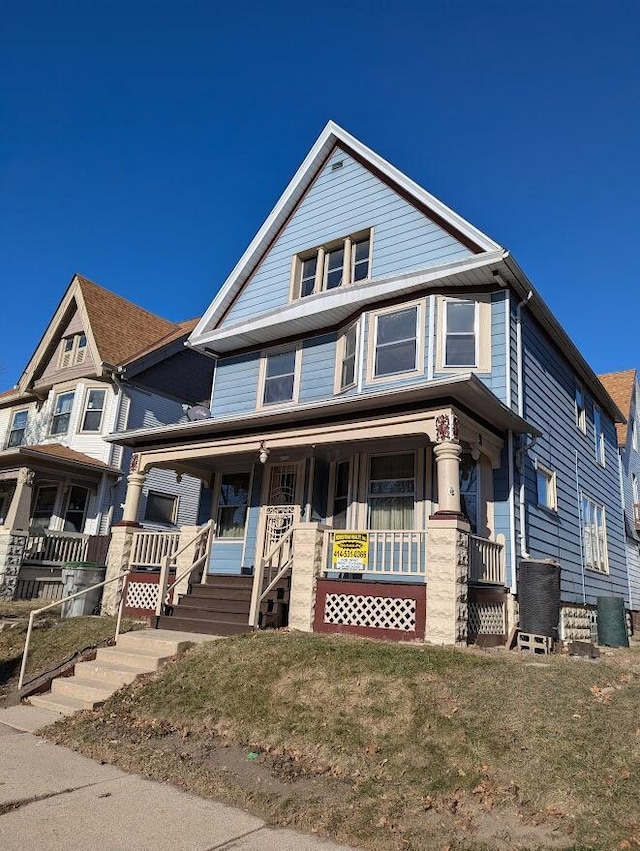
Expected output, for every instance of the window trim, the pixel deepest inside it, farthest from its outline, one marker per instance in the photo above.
(553, 487)
(11, 429)
(176, 502)
(340, 357)
(262, 376)
(372, 378)
(321, 252)
(50, 432)
(598, 436)
(596, 506)
(581, 412)
(85, 402)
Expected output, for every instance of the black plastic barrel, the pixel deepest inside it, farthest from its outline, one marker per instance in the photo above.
(539, 597)
(612, 622)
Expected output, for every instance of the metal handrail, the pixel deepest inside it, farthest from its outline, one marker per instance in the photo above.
(55, 603)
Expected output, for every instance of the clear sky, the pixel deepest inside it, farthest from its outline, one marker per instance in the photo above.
(143, 143)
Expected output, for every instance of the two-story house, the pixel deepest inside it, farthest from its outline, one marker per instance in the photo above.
(384, 367)
(103, 364)
(624, 390)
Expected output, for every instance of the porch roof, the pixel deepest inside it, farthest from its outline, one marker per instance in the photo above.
(53, 455)
(465, 391)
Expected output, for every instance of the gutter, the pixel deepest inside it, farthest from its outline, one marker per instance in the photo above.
(524, 553)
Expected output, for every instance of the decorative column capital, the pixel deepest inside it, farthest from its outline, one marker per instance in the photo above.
(447, 428)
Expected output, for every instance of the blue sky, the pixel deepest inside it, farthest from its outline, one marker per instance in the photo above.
(143, 144)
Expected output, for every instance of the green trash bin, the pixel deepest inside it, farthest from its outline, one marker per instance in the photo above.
(76, 576)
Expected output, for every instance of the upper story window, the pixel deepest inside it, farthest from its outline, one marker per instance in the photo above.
(335, 264)
(17, 429)
(581, 413)
(280, 376)
(93, 410)
(397, 341)
(546, 486)
(460, 333)
(347, 343)
(634, 435)
(73, 350)
(594, 536)
(598, 435)
(61, 413)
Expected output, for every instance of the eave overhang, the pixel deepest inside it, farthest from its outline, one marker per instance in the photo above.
(26, 456)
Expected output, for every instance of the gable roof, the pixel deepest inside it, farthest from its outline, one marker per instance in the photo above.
(331, 137)
(620, 386)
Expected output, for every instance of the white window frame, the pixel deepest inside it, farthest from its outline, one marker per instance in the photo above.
(552, 488)
(12, 429)
(85, 409)
(598, 436)
(262, 379)
(321, 253)
(58, 396)
(594, 507)
(476, 333)
(581, 410)
(174, 512)
(341, 345)
(373, 342)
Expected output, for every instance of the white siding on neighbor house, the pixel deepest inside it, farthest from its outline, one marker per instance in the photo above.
(339, 203)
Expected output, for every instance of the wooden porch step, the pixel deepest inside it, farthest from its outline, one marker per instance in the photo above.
(213, 604)
(206, 626)
(227, 580)
(222, 592)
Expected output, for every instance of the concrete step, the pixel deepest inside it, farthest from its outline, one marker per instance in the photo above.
(60, 703)
(108, 672)
(155, 641)
(145, 660)
(86, 692)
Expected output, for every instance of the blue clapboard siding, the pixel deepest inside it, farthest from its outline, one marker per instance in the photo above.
(630, 465)
(502, 522)
(549, 388)
(225, 557)
(339, 203)
(249, 556)
(235, 387)
(318, 368)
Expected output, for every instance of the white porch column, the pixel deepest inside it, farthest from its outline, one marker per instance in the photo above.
(135, 483)
(447, 451)
(19, 513)
(307, 562)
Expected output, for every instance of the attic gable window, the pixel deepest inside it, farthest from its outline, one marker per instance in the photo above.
(73, 350)
(339, 263)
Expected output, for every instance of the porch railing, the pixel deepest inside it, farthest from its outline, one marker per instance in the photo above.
(271, 569)
(392, 552)
(149, 549)
(486, 560)
(201, 542)
(55, 548)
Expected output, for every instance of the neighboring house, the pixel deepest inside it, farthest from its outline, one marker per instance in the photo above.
(383, 366)
(103, 364)
(623, 389)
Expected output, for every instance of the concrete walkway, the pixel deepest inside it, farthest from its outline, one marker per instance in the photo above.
(53, 798)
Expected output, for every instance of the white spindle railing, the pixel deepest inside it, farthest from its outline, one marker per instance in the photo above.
(150, 548)
(486, 560)
(55, 548)
(392, 552)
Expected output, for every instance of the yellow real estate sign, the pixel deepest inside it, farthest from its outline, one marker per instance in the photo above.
(350, 551)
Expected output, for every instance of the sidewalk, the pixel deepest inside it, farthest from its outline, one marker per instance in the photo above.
(53, 798)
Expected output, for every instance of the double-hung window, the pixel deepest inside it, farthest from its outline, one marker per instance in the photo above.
(460, 333)
(581, 414)
(546, 487)
(334, 264)
(594, 537)
(598, 435)
(281, 373)
(18, 428)
(233, 501)
(396, 342)
(161, 508)
(392, 491)
(347, 358)
(93, 410)
(61, 413)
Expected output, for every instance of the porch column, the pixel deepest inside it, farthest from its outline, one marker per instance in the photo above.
(118, 559)
(19, 513)
(135, 483)
(307, 562)
(448, 571)
(447, 451)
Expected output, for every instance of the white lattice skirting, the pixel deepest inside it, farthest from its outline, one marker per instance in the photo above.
(142, 595)
(373, 612)
(486, 619)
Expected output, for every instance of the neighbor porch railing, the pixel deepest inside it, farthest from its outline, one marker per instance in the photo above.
(392, 552)
(149, 549)
(53, 549)
(486, 560)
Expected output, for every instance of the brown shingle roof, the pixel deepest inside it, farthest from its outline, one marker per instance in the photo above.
(620, 386)
(120, 328)
(63, 453)
(181, 329)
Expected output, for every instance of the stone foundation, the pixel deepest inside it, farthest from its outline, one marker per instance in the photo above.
(12, 546)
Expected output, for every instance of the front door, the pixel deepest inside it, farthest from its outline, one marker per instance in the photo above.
(281, 503)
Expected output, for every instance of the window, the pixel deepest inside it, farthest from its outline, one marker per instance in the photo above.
(470, 490)
(281, 374)
(335, 264)
(546, 485)
(232, 505)
(18, 428)
(634, 435)
(44, 506)
(581, 415)
(347, 358)
(391, 491)
(76, 510)
(459, 333)
(635, 489)
(396, 342)
(61, 413)
(598, 435)
(93, 410)
(73, 350)
(341, 495)
(594, 536)
(161, 508)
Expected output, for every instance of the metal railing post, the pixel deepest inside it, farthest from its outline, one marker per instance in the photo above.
(23, 666)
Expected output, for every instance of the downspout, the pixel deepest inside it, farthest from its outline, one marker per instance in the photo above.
(579, 499)
(522, 449)
(624, 526)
